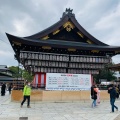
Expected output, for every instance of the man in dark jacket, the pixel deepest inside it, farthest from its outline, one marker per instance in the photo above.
(112, 92)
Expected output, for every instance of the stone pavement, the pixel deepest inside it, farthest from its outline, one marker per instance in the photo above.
(57, 111)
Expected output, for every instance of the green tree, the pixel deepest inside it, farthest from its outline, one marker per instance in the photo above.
(15, 70)
(27, 76)
(21, 73)
(105, 74)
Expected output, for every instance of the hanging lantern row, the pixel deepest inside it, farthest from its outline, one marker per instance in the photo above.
(41, 56)
(45, 63)
(63, 70)
(73, 71)
(89, 59)
(48, 70)
(62, 64)
(85, 65)
(57, 57)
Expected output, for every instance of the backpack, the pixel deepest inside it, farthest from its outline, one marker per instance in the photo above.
(117, 92)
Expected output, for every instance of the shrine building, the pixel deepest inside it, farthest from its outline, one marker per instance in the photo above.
(65, 47)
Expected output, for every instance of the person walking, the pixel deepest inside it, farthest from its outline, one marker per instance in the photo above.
(26, 94)
(112, 92)
(93, 95)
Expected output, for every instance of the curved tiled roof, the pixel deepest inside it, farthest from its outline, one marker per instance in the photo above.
(61, 44)
(63, 20)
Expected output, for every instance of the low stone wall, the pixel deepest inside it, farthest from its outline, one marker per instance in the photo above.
(42, 95)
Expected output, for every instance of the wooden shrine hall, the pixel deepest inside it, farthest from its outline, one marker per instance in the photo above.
(65, 47)
(115, 67)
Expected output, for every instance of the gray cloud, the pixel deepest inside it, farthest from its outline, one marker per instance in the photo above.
(26, 17)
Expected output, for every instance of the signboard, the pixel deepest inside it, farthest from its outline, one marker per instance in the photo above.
(62, 81)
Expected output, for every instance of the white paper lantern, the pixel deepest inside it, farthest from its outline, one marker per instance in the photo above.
(33, 56)
(25, 55)
(40, 56)
(21, 54)
(33, 62)
(29, 62)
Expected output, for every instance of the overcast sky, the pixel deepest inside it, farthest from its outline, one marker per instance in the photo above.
(101, 18)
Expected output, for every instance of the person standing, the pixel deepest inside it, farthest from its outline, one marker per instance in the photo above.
(3, 88)
(9, 88)
(26, 94)
(98, 94)
(112, 92)
(93, 95)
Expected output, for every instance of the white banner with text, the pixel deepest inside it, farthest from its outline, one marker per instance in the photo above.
(73, 82)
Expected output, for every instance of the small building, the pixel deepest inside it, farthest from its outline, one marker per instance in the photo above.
(5, 74)
(6, 77)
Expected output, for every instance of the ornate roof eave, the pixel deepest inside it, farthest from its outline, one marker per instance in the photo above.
(59, 44)
(63, 20)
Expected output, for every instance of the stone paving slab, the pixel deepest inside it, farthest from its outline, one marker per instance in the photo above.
(118, 117)
(57, 111)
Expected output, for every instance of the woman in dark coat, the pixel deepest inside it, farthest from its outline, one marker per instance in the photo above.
(93, 96)
(3, 87)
